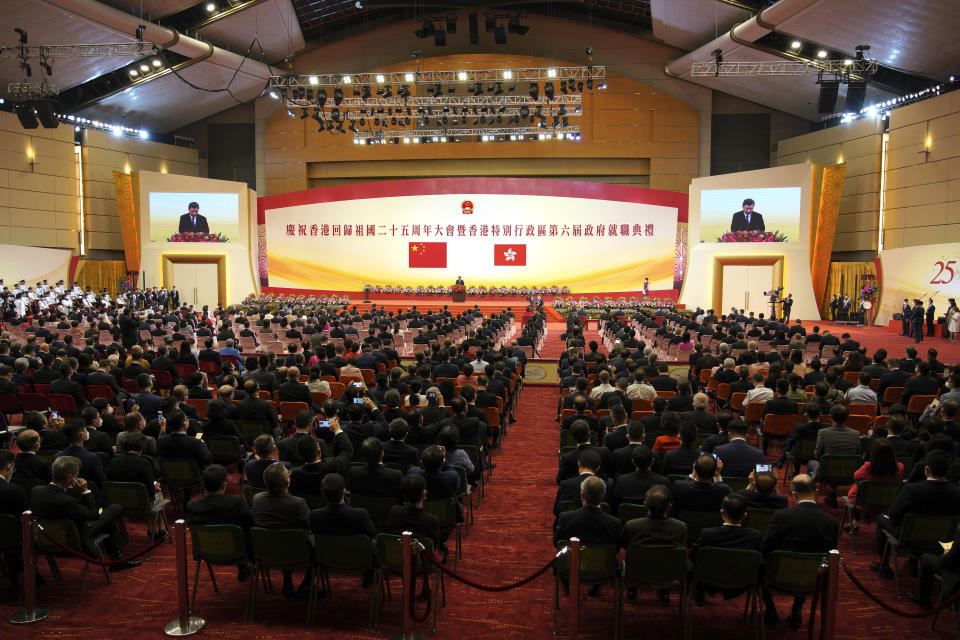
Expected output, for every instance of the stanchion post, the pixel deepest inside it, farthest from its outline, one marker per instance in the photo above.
(574, 604)
(830, 596)
(30, 612)
(407, 591)
(185, 624)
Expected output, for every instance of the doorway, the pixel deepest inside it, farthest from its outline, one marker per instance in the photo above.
(201, 280)
(744, 286)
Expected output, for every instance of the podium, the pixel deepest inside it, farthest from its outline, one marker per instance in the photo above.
(458, 293)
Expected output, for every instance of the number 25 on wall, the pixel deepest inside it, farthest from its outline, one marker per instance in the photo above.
(944, 268)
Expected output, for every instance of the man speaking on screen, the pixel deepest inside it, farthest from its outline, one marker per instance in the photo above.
(193, 221)
(747, 219)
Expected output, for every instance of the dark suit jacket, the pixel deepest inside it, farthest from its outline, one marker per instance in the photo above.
(632, 487)
(186, 225)
(293, 391)
(569, 489)
(655, 531)
(691, 495)
(381, 481)
(91, 468)
(710, 444)
(416, 520)
(307, 479)
(217, 509)
(70, 388)
(916, 386)
(341, 520)
(280, 511)
(679, 460)
(739, 222)
(590, 524)
(704, 422)
(569, 460)
(400, 453)
(726, 537)
(181, 446)
(928, 497)
(131, 467)
(13, 499)
(804, 528)
(149, 404)
(739, 458)
(755, 500)
(28, 465)
(256, 410)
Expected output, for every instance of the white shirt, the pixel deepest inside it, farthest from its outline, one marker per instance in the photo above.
(759, 394)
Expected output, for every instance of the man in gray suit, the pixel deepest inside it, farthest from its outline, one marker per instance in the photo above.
(837, 439)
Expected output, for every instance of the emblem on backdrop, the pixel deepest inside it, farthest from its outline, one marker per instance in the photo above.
(466, 207)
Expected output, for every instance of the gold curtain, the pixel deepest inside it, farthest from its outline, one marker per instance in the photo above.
(98, 274)
(849, 274)
(822, 245)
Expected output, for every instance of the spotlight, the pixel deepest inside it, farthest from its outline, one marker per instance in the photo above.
(477, 89)
(514, 26)
(461, 75)
(156, 62)
(500, 34)
(322, 97)
(534, 91)
(211, 7)
(387, 93)
(717, 58)
(548, 90)
(366, 92)
(337, 96)
(347, 79)
(524, 112)
(796, 44)
(563, 86)
(498, 89)
(822, 53)
(313, 80)
(133, 72)
(408, 77)
(144, 68)
(304, 115)
(507, 74)
(273, 94)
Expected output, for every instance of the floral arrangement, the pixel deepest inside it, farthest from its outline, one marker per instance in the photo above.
(480, 291)
(198, 236)
(599, 304)
(278, 302)
(126, 284)
(753, 236)
(458, 288)
(868, 292)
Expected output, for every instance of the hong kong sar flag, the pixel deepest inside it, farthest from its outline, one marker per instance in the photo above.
(510, 255)
(428, 255)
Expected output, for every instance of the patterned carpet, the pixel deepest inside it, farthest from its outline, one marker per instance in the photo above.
(511, 538)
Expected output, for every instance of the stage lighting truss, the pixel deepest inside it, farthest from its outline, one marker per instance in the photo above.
(31, 91)
(464, 77)
(846, 68)
(447, 105)
(123, 49)
(476, 134)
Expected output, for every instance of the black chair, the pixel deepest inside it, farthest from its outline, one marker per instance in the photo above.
(445, 510)
(918, 534)
(730, 570)
(793, 573)
(759, 519)
(226, 450)
(67, 534)
(180, 476)
(630, 511)
(598, 565)
(697, 520)
(349, 555)
(216, 544)
(656, 567)
(283, 549)
(136, 503)
(377, 506)
(874, 497)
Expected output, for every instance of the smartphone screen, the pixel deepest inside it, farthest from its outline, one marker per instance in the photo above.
(159, 415)
(323, 424)
(764, 468)
(358, 401)
(54, 415)
(431, 395)
(358, 385)
(199, 436)
(714, 456)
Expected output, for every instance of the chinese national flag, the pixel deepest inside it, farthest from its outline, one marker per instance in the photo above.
(510, 255)
(428, 255)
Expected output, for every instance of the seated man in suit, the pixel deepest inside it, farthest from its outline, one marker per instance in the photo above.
(374, 479)
(656, 529)
(216, 507)
(947, 566)
(804, 430)
(13, 499)
(704, 421)
(28, 465)
(91, 469)
(410, 516)
(761, 491)
(632, 487)
(837, 439)
(303, 423)
(307, 479)
(804, 528)
(621, 460)
(700, 492)
(588, 464)
(730, 535)
(589, 523)
(131, 467)
(738, 457)
(265, 454)
(396, 450)
(176, 444)
(934, 496)
(54, 502)
(680, 460)
(338, 518)
(276, 508)
(582, 436)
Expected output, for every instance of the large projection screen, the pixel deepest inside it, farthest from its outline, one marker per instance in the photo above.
(591, 237)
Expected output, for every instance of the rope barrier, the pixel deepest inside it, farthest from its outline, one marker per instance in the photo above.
(894, 610)
(161, 537)
(504, 587)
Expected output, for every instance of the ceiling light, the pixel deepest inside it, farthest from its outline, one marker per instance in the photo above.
(379, 77)
(211, 7)
(144, 68)
(847, 62)
(551, 73)
(408, 77)
(273, 94)
(156, 62)
(133, 72)
(509, 74)
(462, 75)
(822, 53)
(144, 134)
(347, 80)
(796, 44)
(313, 80)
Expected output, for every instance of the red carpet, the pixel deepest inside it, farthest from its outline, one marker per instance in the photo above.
(876, 337)
(511, 538)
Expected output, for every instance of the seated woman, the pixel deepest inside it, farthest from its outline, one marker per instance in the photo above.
(315, 384)
(883, 466)
(686, 343)
(466, 375)
(218, 424)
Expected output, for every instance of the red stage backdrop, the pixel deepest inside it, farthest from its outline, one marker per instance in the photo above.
(510, 232)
